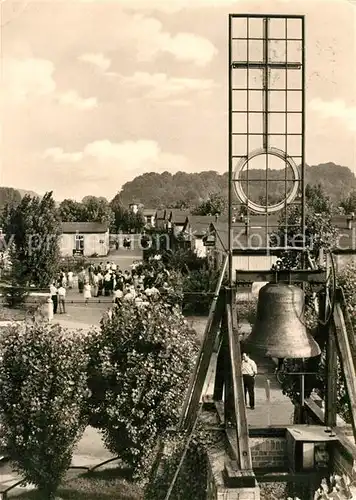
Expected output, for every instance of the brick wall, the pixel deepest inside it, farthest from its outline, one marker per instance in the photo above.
(216, 490)
(268, 452)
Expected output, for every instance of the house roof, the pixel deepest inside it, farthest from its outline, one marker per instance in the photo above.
(175, 214)
(199, 224)
(84, 227)
(161, 214)
(256, 238)
(149, 211)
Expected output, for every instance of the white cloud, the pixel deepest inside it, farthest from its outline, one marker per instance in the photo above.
(122, 156)
(59, 156)
(72, 98)
(24, 78)
(169, 6)
(146, 34)
(162, 86)
(99, 60)
(335, 109)
(186, 46)
(132, 152)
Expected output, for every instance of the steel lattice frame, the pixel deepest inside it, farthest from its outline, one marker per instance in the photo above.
(266, 119)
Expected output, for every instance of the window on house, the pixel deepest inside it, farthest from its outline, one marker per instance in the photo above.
(79, 242)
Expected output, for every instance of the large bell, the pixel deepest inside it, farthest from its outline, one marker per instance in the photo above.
(279, 330)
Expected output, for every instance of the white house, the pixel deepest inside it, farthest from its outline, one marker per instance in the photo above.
(84, 238)
(195, 230)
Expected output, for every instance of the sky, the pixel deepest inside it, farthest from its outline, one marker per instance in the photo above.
(94, 93)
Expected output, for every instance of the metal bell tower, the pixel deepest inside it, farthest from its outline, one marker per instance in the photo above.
(266, 121)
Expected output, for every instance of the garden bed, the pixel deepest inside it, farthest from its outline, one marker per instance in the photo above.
(7, 314)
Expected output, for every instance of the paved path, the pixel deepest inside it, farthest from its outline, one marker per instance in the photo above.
(278, 410)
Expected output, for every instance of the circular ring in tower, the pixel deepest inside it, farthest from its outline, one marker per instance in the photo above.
(246, 184)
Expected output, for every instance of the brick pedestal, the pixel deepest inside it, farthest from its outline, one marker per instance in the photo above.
(217, 468)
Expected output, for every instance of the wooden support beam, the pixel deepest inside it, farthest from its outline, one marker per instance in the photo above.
(284, 477)
(191, 403)
(331, 363)
(220, 372)
(346, 361)
(300, 276)
(350, 329)
(245, 459)
(229, 395)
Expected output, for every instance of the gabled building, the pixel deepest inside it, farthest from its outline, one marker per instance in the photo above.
(149, 215)
(345, 248)
(176, 220)
(135, 206)
(195, 230)
(161, 219)
(250, 240)
(84, 238)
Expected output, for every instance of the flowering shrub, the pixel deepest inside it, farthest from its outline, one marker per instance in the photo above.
(42, 396)
(140, 364)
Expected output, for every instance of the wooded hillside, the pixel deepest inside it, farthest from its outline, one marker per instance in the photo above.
(184, 189)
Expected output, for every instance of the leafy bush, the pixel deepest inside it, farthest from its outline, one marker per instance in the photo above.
(192, 478)
(199, 287)
(42, 399)
(14, 296)
(140, 364)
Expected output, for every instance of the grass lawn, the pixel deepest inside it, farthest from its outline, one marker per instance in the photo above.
(102, 485)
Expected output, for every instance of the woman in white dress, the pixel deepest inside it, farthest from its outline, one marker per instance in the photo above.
(87, 292)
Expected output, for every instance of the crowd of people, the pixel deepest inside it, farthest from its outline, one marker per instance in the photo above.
(142, 283)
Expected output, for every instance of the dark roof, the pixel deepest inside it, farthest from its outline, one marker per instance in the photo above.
(149, 211)
(178, 216)
(257, 238)
(84, 227)
(345, 240)
(199, 225)
(161, 214)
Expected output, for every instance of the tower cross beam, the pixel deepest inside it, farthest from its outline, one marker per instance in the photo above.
(265, 65)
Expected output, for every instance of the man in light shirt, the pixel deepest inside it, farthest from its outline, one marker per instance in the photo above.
(249, 372)
(54, 296)
(62, 299)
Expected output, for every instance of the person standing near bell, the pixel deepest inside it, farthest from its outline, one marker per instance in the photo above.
(249, 372)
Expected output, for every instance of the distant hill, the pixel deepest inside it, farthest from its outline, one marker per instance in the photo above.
(12, 195)
(168, 190)
(23, 192)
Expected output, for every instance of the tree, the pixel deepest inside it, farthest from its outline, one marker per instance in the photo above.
(71, 211)
(97, 210)
(320, 233)
(216, 204)
(140, 365)
(42, 400)
(124, 219)
(33, 228)
(318, 200)
(349, 203)
(8, 196)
